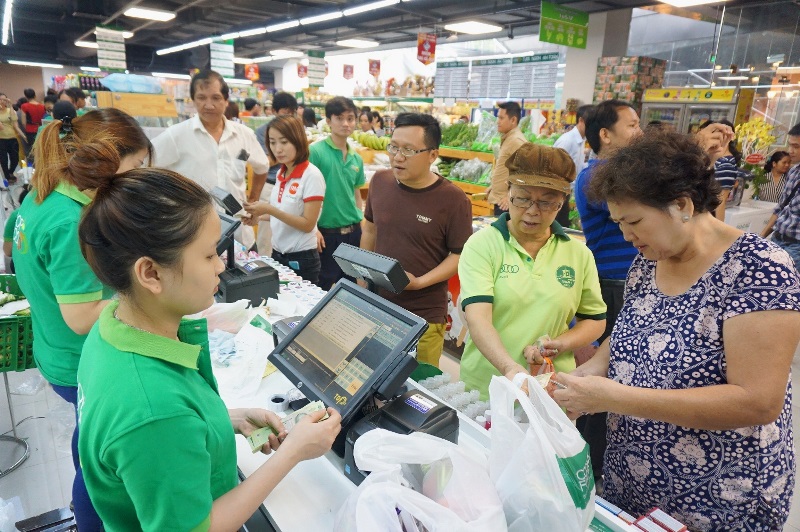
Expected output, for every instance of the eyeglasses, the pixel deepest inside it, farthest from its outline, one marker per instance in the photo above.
(405, 152)
(544, 206)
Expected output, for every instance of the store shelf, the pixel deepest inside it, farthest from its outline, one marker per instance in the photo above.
(455, 153)
(393, 99)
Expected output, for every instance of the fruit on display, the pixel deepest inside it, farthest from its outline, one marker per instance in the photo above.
(369, 140)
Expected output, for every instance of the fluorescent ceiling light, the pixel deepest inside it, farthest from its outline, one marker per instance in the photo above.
(171, 76)
(86, 44)
(228, 36)
(472, 27)
(90, 69)
(369, 7)
(321, 18)
(237, 81)
(34, 64)
(182, 47)
(732, 78)
(283, 26)
(7, 20)
(125, 34)
(285, 54)
(150, 14)
(242, 60)
(690, 3)
(254, 31)
(357, 43)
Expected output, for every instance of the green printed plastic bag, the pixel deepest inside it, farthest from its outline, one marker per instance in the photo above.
(539, 465)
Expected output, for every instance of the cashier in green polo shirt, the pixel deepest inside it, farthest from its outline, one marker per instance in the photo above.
(523, 277)
(156, 441)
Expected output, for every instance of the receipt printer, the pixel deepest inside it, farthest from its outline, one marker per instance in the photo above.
(412, 411)
(255, 281)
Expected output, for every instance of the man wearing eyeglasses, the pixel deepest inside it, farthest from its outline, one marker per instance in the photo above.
(422, 220)
(523, 277)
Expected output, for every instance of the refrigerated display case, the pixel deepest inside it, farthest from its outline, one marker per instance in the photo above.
(686, 109)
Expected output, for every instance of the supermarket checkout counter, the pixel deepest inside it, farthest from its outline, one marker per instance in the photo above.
(310, 496)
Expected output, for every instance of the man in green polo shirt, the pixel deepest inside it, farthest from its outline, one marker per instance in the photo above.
(523, 277)
(343, 169)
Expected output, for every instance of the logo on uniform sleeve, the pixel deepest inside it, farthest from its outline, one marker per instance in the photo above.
(20, 241)
(566, 276)
(293, 188)
(423, 219)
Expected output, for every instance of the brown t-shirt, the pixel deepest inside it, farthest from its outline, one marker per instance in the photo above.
(419, 228)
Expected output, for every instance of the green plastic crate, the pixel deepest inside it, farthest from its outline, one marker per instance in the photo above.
(16, 334)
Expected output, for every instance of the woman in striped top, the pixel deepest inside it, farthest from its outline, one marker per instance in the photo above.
(776, 168)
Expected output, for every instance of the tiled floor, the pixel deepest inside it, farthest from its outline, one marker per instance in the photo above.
(44, 481)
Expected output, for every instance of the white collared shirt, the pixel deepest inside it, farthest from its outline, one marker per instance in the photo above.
(572, 143)
(190, 150)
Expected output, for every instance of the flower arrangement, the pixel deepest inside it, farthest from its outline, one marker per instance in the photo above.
(755, 138)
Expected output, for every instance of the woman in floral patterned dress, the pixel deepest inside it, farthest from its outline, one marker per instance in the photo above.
(696, 375)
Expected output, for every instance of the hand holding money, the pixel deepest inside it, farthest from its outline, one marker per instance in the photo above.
(312, 433)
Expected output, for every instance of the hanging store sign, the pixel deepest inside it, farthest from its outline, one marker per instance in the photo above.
(534, 76)
(317, 69)
(452, 79)
(347, 71)
(426, 48)
(375, 67)
(222, 58)
(110, 49)
(251, 72)
(302, 71)
(563, 25)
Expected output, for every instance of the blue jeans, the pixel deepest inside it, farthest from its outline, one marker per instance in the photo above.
(793, 249)
(85, 516)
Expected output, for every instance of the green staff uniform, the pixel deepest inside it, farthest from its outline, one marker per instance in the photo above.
(156, 440)
(530, 298)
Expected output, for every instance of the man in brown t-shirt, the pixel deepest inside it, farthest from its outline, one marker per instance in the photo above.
(422, 220)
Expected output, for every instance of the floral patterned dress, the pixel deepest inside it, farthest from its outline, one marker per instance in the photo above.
(711, 480)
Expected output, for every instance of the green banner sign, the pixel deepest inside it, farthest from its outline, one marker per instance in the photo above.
(563, 25)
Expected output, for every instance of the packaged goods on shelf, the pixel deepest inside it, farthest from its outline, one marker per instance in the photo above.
(626, 78)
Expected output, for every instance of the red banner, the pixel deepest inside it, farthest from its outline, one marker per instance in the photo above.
(426, 48)
(251, 72)
(375, 67)
(302, 71)
(348, 72)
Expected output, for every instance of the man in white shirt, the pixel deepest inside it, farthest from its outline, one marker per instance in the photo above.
(214, 151)
(574, 140)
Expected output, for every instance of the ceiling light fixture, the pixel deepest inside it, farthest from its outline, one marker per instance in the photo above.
(90, 69)
(733, 78)
(125, 34)
(7, 20)
(283, 26)
(690, 3)
(34, 64)
(171, 76)
(86, 44)
(472, 27)
(369, 7)
(254, 31)
(285, 54)
(150, 14)
(229, 36)
(357, 43)
(242, 60)
(263, 59)
(321, 18)
(182, 47)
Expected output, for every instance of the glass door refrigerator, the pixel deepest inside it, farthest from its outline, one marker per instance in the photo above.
(666, 113)
(696, 115)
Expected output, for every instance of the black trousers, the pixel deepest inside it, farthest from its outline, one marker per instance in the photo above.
(330, 272)
(9, 156)
(306, 263)
(593, 427)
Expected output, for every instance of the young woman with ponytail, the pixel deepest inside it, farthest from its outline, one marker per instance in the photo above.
(157, 441)
(73, 157)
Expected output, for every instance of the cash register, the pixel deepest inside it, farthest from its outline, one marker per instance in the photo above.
(256, 280)
(352, 350)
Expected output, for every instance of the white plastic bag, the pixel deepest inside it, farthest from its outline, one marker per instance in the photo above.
(420, 483)
(541, 469)
(229, 317)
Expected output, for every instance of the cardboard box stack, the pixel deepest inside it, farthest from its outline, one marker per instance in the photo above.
(626, 78)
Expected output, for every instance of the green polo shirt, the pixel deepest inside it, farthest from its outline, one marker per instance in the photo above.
(342, 177)
(51, 270)
(11, 223)
(529, 297)
(156, 441)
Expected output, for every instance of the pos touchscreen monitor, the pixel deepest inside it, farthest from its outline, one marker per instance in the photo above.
(347, 346)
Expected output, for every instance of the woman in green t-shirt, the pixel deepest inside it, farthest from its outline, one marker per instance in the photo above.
(73, 157)
(156, 439)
